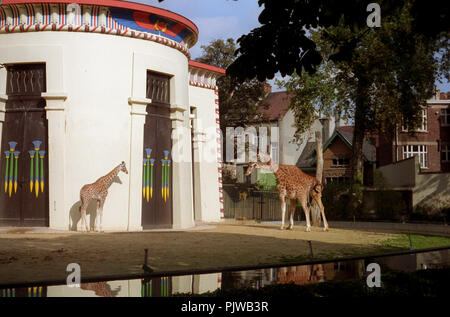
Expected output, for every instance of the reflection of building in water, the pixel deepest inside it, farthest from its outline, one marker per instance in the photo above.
(154, 287)
(249, 279)
(301, 275)
(339, 271)
(397, 263)
(309, 274)
(101, 289)
(432, 260)
(203, 283)
(35, 291)
(206, 283)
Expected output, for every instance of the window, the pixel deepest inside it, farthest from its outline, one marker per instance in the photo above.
(341, 162)
(445, 117)
(445, 153)
(275, 153)
(337, 180)
(423, 127)
(158, 88)
(420, 150)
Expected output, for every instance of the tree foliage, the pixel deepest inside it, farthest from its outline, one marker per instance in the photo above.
(238, 100)
(281, 43)
(382, 82)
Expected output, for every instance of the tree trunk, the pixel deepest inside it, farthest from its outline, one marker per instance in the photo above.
(315, 211)
(357, 180)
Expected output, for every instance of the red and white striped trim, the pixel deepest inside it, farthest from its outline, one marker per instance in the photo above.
(111, 28)
(203, 75)
(219, 156)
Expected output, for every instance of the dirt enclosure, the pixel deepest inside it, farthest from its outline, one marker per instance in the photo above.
(30, 257)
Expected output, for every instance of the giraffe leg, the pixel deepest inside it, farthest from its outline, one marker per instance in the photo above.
(96, 217)
(291, 213)
(283, 211)
(84, 225)
(304, 203)
(318, 200)
(102, 203)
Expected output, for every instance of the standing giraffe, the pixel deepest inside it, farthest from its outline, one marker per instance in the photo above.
(294, 185)
(98, 191)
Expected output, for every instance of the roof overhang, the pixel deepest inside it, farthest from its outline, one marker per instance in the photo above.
(136, 16)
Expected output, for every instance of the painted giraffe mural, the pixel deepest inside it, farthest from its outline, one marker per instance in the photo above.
(99, 192)
(295, 185)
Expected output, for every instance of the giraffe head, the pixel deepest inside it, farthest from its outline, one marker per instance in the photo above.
(123, 168)
(251, 166)
(265, 164)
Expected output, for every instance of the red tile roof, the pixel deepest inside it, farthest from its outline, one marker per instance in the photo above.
(348, 129)
(278, 105)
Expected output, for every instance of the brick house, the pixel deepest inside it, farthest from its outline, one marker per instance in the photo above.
(279, 120)
(337, 157)
(431, 142)
(278, 115)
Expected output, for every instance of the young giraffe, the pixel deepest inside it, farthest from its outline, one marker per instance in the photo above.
(98, 191)
(293, 184)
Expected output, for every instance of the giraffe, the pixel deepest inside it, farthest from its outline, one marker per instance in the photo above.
(295, 185)
(98, 191)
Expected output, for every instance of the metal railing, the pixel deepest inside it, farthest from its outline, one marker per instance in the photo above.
(242, 203)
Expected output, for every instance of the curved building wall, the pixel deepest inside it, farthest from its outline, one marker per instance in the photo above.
(96, 108)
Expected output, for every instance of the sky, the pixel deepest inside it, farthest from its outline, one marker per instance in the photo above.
(222, 19)
(215, 19)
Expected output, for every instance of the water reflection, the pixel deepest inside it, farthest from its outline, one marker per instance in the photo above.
(101, 289)
(202, 283)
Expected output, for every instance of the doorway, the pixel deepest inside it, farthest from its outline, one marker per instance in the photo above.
(157, 207)
(24, 158)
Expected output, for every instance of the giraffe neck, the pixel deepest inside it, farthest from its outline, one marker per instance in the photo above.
(108, 178)
(269, 166)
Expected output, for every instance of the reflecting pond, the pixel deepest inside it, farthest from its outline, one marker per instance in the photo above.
(256, 278)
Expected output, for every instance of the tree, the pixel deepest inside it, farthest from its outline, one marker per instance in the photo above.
(380, 83)
(281, 43)
(239, 101)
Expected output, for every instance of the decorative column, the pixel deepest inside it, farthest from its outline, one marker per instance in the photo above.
(138, 107)
(182, 170)
(3, 99)
(199, 139)
(58, 214)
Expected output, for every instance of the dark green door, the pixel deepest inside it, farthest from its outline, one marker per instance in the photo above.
(157, 156)
(24, 163)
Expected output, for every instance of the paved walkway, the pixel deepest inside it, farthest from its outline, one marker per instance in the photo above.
(382, 226)
(37, 230)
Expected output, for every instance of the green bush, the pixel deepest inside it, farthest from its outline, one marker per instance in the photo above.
(266, 181)
(389, 205)
(335, 199)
